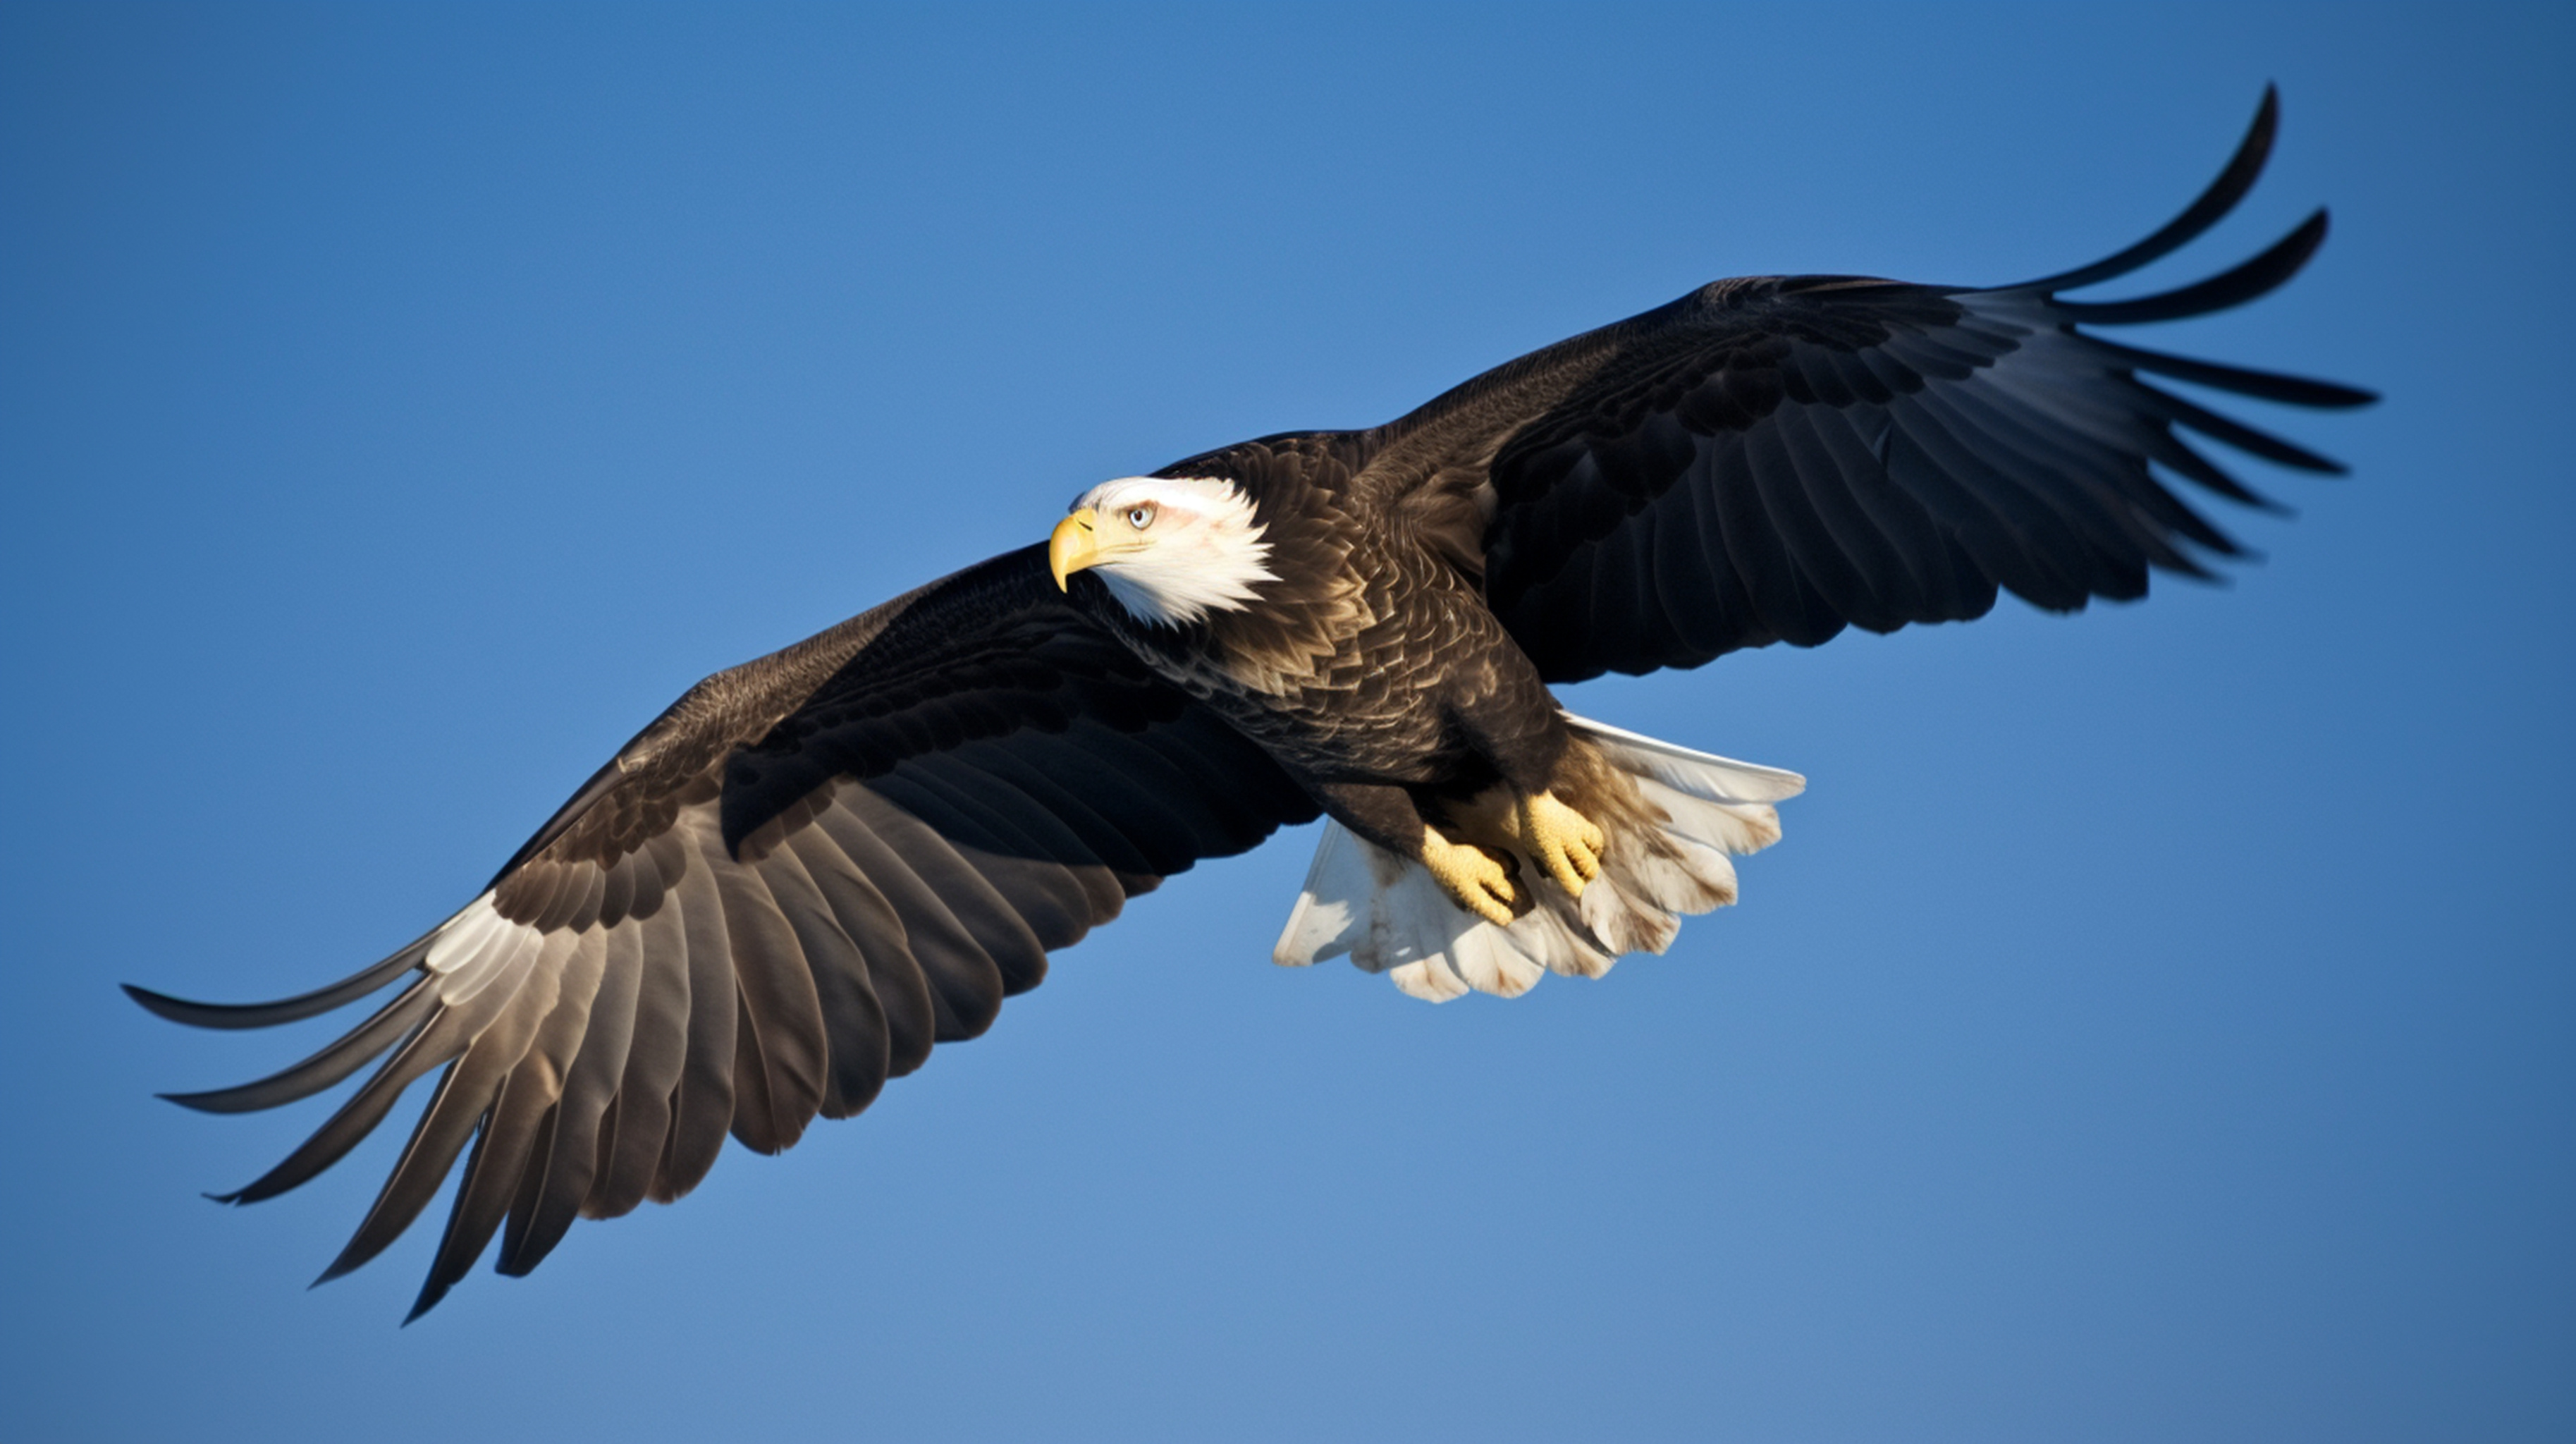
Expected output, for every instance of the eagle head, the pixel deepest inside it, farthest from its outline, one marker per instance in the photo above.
(1170, 549)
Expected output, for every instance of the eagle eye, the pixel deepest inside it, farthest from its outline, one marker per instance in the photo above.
(1140, 517)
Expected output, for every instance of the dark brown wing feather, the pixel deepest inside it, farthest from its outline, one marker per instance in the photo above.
(1777, 458)
(781, 894)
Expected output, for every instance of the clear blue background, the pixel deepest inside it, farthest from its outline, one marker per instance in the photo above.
(2156, 1025)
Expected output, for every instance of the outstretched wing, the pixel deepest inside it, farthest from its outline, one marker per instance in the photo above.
(778, 896)
(1776, 458)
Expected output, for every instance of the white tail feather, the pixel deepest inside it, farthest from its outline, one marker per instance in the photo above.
(1390, 916)
(1701, 774)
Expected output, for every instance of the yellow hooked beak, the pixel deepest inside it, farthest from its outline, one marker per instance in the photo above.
(1074, 546)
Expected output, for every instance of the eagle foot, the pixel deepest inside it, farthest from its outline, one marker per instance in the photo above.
(1479, 880)
(1564, 841)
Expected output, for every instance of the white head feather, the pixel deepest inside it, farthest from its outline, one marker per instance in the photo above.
(1184, 546)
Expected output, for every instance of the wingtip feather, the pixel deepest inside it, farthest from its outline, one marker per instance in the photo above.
(2234, 286)
(2206, 210)
(428, 1300)
(283, 1010)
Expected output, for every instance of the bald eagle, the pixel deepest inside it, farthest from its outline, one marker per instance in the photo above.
(816, 866)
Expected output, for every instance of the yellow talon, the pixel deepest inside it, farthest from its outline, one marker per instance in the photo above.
(1563, 840)
(1479, 882)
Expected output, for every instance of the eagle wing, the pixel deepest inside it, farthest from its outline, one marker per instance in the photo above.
(778, 896)
(1776, 458)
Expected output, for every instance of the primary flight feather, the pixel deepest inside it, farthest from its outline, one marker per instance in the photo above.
(817, 865)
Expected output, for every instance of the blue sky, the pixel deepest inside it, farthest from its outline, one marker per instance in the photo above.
(2156, 1024)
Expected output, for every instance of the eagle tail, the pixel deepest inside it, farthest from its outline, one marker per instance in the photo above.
(1673, 817)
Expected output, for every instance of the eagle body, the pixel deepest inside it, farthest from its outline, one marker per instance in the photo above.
(1370, 662)
(816, 867)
